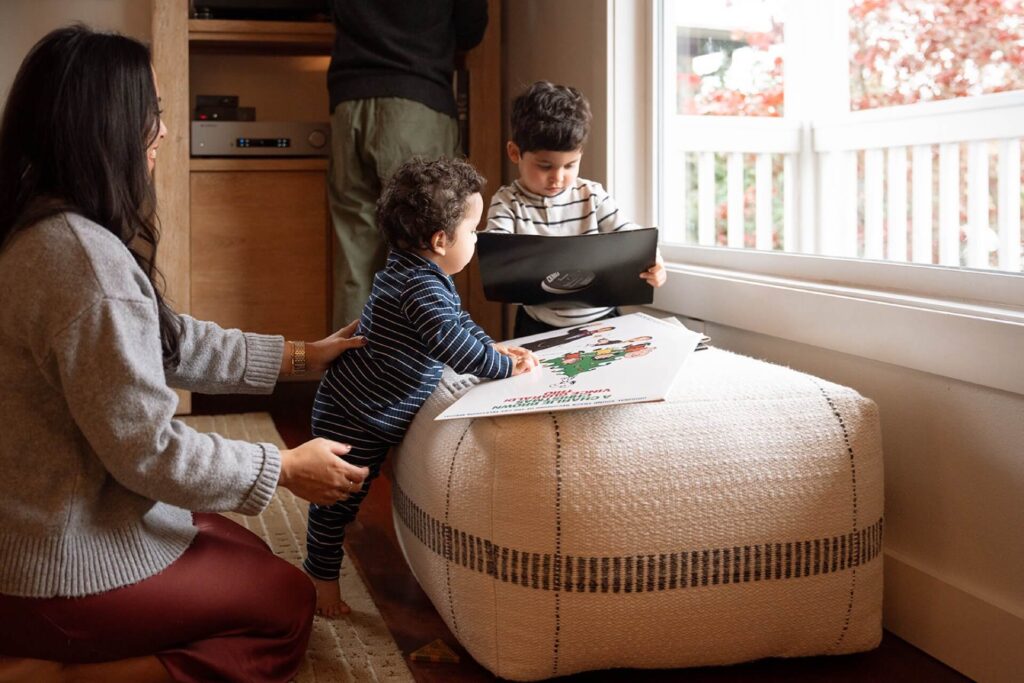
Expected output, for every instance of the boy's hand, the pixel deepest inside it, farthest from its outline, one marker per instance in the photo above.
(523, 359)
(655, 275)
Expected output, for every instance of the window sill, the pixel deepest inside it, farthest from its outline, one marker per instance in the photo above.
(978, 341)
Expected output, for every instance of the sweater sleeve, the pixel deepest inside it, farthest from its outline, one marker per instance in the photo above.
(111, 371)
(430, 309)
(218, 361)
(470, 18)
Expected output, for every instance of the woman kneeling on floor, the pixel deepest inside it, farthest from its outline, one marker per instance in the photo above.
(111, 565)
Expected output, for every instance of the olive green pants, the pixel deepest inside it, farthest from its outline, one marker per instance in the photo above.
(369, 140)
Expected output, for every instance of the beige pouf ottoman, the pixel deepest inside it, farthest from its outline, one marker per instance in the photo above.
(740, 519)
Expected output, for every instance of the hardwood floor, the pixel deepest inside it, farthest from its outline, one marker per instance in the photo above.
(413, 621)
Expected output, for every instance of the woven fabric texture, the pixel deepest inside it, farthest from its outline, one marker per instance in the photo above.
(355, 648)
(740, 519)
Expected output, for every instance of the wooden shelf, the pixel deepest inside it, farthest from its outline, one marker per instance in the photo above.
(258, 164)
(300, 37)
(228, 211)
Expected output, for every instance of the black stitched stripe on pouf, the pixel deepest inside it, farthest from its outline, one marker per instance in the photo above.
(643, 573)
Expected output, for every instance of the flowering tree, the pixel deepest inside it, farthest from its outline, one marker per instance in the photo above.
(906, 51)
(901, 52)
(716, 93)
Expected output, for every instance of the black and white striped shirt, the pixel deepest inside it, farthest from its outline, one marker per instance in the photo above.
(414, 325)
(583, 209)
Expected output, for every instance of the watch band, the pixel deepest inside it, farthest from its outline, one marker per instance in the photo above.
(298, 357)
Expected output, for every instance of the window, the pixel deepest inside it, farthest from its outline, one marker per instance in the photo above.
(888, 232)
(781, 132)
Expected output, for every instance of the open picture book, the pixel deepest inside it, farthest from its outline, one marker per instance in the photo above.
(628, 359)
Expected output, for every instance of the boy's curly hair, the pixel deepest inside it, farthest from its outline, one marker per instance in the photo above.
(550, 117)
(422, 197)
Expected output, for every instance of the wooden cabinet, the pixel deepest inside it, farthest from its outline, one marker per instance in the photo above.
(260, 255)
(246, 241)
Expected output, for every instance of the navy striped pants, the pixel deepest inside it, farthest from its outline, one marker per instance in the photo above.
(325, 532)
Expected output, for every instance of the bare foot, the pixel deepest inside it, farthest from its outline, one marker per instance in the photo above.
(328, 599)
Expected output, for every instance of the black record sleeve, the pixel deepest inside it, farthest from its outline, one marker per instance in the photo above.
(591, 270)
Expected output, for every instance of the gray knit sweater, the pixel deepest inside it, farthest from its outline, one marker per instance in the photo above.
(97, 479)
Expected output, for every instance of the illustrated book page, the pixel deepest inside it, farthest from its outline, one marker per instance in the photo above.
(628, 359)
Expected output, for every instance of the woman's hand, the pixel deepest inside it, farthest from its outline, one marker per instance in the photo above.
(523, 359)
(315, 472)
(320, 354)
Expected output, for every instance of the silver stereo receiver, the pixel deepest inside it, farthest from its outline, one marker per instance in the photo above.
(260, 138)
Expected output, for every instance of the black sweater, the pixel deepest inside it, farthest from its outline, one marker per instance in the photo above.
(401, 48)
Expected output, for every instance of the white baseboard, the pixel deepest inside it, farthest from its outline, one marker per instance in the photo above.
(974, 636)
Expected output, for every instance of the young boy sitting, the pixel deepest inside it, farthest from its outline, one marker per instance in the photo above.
(550, 124)
(413, 324)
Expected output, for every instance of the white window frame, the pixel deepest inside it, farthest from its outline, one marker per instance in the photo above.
(958, 323)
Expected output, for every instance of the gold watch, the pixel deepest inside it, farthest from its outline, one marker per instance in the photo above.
(298, 357)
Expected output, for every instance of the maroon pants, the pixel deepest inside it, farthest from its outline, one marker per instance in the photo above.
(227, 610)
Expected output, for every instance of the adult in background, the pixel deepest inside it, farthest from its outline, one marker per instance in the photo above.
(390, 83)
(111, 566)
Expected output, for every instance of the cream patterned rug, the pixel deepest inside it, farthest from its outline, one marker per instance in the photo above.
(356, 648)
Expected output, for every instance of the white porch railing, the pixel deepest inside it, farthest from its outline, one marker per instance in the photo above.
(841, 189)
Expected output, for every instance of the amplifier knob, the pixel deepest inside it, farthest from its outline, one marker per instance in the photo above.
(317, 139)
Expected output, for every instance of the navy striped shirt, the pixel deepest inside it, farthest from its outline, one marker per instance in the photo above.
(414, 325)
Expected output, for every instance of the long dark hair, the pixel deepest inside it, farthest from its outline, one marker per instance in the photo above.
(80, 116)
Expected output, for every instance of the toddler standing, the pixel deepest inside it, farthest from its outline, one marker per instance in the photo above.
(414, 325)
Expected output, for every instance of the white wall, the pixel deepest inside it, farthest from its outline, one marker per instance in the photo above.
(954, 451)
(24, 22)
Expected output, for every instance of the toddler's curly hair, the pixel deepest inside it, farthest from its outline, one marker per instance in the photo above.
(422, 197)
(550, 117)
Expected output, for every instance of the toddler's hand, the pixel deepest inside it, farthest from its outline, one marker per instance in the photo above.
(655, 275)
(523, 359)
